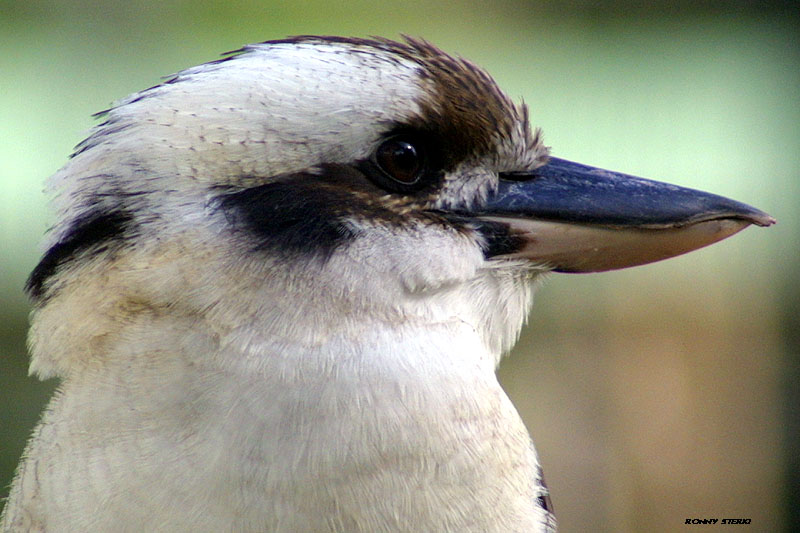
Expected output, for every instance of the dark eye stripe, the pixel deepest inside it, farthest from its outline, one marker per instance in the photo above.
(289, 216)
(92, 233)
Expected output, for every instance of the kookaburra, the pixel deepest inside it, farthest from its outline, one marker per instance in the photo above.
(279, 285)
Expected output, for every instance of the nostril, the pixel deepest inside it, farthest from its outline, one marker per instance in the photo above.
(517, 176)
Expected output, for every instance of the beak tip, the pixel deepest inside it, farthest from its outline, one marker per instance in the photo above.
(751, 215)
(764, 220)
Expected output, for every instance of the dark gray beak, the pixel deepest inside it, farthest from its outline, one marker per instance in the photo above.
(577, 218)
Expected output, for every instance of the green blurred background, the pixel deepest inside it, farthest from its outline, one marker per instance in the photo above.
(654, 395)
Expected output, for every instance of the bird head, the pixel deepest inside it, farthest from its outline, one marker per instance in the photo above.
(317, 181)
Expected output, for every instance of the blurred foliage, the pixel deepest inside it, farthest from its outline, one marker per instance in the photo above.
(671, 383)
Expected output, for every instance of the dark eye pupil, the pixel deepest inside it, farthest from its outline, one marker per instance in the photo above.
(400, 160)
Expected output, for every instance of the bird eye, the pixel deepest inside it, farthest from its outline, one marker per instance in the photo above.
(401, 159)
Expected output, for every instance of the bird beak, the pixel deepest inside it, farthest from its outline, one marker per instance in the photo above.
(577, 218)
